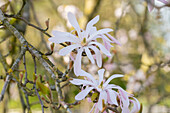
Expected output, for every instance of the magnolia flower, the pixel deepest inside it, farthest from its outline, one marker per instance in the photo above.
(125, 102)
(104, 88)
(84, 41)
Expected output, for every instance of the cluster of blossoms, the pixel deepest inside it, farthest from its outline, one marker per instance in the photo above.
(151, 3)
(85, 42)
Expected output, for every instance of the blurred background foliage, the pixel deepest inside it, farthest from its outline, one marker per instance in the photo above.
(143, 57)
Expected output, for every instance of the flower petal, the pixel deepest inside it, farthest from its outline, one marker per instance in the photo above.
(136, 105)
(101, 73)
(73, 21)
(112, 77)
(151, 4)
(102, 48)
(89, 76)
(112, 96)
(99, 32)
(77, 62)
(113, 39)
(107, 45)
(68, 49)
(164, 1)
(83, 93)
(89, 55)
(90, 24)
(98, 55)
(60, 37)
(124, 97)
(80, 81)
(102, 96)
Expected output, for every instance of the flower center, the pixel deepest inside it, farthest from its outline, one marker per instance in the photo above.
(84, 42)
(101, 85)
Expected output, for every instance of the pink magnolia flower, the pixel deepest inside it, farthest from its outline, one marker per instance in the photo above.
(84, 41)
(104, 88)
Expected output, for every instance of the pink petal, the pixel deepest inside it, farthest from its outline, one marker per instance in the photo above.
(113, 39)
(83, 93)
(89, 55)
(77, 62)
(60, 37)
(64, 51)
(107, 45)
(98, 55)
(105, 38)
(101, 73)
(102, 48)
(112, 77)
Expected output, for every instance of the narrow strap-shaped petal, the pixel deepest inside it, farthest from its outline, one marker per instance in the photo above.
(125, 109)
(68, 49)
(106, 38)
(77, 62)
(102, 48)
(89, 55)
(60, 37)
(124, 97)
(98, 55)
(80, 81)
(73, 21)
(110, 86)
(90, 24)
(102, 96)
(89, 76)
(112, 96)
(112, 77)
(136, 105)
(92, 108)
(113, 39)
(101, 73)
(83, 93)
(107, 45)
(101, 31)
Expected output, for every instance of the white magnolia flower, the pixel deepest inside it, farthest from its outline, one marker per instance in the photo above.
(84, 41)
(125, 101)
(104, 88)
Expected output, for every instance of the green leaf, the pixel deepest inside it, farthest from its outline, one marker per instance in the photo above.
(44, 89)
